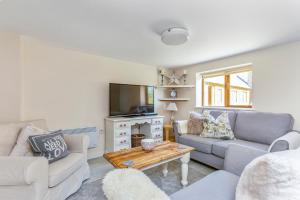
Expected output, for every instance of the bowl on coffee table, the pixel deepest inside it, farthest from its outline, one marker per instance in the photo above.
(148, 144)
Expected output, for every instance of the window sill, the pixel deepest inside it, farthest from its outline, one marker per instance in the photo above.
(224, 108)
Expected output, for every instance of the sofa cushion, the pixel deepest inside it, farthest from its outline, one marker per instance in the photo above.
(195, 123)
(217, 127)
(262, 127)
(199, 143)
(9, 133)
(63, 168)
(231, 116)
(219, 185)
(219, 148)
(8, 137)
(22, 147)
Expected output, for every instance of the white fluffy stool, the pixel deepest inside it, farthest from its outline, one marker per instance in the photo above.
(131, 184)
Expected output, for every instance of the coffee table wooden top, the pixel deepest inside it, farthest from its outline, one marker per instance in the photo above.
(142, 159)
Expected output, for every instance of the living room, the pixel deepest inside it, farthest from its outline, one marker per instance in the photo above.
(200, 62)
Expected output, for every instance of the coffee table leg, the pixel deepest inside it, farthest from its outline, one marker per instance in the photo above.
(185, 168)
(165, 169)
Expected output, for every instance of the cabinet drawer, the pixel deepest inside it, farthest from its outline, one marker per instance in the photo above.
(156, 128)
(158, 121)
(122, 132)
(122, 125)
(122, 141)
(122, 147)
(157, 134)
(159, 140)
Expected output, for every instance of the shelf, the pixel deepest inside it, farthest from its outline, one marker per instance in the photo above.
(176, 86)
(174, 99)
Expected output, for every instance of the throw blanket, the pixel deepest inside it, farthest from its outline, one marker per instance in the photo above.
(182, 126)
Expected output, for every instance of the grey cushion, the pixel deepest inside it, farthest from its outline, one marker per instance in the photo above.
(208, 159)
(219, 185)
(199, 143)
(219, 148)
(52, 146)
(262, 127)
(231, 115)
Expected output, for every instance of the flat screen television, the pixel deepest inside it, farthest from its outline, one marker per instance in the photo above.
(131, 100)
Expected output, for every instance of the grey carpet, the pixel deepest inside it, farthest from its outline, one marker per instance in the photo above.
(92, 189)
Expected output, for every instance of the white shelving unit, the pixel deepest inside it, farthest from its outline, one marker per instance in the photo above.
(174, 99)
(176, 86)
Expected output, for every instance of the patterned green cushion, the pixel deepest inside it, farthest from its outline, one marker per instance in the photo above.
(217, 128)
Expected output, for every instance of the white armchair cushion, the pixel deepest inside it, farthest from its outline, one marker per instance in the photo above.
(63, 168)
(131, 184)
(8, 137)
(22, 148)
(274, 176)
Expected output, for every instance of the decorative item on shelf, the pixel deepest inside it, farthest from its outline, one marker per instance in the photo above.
(148, 144)
(173, 93)
(173, 78)
(173, 108)
(184, 76)
(162, 73)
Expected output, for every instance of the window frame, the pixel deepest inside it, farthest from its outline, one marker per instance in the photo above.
(227, 87)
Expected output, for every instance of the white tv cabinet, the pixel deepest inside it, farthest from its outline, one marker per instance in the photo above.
(118, 130)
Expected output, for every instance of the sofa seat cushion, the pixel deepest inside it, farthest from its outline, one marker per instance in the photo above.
(219, 148)
(219, 185)
(63, 168)
(199, 143)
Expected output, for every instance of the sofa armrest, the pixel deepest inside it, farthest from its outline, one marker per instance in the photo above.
(289, 141)
(23, 170)
(77, 143)
(238, 156)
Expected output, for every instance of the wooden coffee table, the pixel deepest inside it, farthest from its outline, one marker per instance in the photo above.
(161, 155)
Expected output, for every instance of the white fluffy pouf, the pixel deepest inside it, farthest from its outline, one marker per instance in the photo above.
(131, 184)
(274, 176)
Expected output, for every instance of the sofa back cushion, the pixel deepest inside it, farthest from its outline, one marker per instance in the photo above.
(9, 133)
(262, 127)
(231, 116)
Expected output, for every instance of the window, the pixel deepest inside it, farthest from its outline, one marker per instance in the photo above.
(227, 88)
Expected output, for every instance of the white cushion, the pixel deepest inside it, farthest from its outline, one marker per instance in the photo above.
(131, 184)
(8, 137)
(22, 148)
(63, 168)
(274, 176)
(9, 133)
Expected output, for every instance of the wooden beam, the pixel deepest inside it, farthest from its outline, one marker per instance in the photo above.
(227, 90)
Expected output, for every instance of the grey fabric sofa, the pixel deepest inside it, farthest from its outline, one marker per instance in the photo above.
(221, 184)
(258, 130)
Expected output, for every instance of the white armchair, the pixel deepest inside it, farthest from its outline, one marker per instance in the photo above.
(32, 178)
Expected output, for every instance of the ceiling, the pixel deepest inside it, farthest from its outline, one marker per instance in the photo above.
(130, 29)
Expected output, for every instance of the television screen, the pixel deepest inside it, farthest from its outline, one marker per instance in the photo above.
(130, 100)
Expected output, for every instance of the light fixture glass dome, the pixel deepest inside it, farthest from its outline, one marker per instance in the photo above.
(175, 36)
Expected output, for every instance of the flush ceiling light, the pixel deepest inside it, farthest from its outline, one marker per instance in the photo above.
(175, 36)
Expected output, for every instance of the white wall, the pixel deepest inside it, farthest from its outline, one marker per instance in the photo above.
(10, 77)
(70, 88)
(276, 79)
